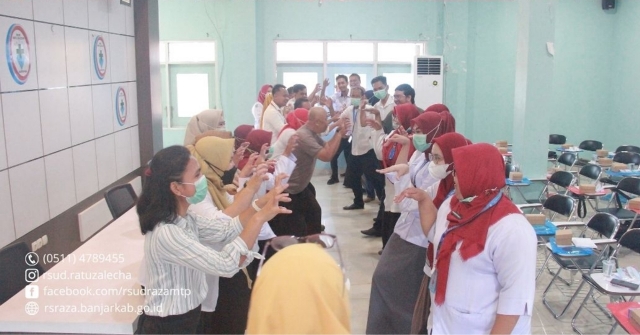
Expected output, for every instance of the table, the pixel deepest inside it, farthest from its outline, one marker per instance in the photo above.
(624, 173)
(620, 312)
(121, 238)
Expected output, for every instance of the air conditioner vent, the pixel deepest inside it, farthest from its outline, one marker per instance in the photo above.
(429, 66)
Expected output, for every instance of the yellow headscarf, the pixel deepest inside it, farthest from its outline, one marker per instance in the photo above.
(267, 101)
(217, 152)
(300, 291)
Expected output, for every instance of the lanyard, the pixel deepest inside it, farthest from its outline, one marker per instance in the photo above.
(415, 175)
(492, 203)
(354, 111)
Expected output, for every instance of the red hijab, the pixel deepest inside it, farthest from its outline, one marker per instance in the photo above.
(256, 139)
(433, 124)
(241, 133)
(296, 119)
(263, 93)
(438, 108)
(480, 173)
(447, 143)
(450, 122)
(404, 113)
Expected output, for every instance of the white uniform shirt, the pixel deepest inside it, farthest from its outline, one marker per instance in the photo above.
(499, 280)
(361, 136)
(340, 102)
(386, 108)
(273, 121)
(408, 226)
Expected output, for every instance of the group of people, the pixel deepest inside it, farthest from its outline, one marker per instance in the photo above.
(458, 256)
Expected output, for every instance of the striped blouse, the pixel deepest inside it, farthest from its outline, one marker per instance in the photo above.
(177, 261)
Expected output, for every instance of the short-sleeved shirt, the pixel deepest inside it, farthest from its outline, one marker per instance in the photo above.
(309, 144)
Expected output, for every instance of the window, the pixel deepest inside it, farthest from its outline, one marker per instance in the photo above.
(299, 52)
(396, 79)
(308, 79)
(349, 52)
(399, 52)
(363, 79)
(192, 52)
(192, 93)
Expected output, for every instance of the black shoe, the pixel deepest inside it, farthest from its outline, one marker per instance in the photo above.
(353, 206)
(322, 227)
(343, 174)
(333, 181)
(380, 252)
(372, 232)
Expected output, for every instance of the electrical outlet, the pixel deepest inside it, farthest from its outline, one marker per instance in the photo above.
(45, 240)
(34, 245)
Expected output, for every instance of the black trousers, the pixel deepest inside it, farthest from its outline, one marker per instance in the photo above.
(306, 216)
(366, 164)
(345, 146)
(388, 224)
(186, 323)
(232, 309)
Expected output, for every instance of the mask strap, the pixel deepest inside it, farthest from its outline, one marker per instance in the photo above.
(434, 130)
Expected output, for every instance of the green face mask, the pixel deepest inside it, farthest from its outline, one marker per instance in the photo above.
(380, 94)
(355, 102)
(420, 142)
(201, 191)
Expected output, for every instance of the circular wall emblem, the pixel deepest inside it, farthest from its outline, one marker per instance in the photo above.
(100, 57)
(18, 58)
(121, 106)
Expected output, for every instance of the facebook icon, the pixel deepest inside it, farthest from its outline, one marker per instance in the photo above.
(32, 292)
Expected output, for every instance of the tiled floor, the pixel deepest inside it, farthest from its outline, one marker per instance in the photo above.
(360, 255)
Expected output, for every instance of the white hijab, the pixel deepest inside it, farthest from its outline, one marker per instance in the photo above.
(208, 119)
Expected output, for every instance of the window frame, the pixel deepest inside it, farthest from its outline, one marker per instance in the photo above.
(167, 64)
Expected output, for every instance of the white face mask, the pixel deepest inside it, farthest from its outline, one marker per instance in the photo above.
(439, 171)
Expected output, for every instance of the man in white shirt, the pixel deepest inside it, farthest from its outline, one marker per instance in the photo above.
(363, 158)
(273, 117)
(340, 101)
(386, 104)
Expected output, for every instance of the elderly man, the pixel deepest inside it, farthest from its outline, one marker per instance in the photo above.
(307, 215)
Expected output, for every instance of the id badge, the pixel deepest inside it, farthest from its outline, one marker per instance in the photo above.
(432, 283)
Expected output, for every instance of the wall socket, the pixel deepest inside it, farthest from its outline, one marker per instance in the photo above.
(39, 243)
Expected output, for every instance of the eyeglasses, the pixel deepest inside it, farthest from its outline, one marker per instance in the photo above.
(326, 241)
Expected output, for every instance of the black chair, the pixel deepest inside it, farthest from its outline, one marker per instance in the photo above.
(120, 199)
(631, 241)
(568, 159)
(627, 188)
(589, 145)
(560, 204)
(13, 267)
(604, 225)
(629, 148)
(624, 157)
(556, 139)
(560, 181)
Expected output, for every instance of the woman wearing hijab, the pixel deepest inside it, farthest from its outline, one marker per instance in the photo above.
(240, 134)
(301, 290)
(205, 121)
(257, 108)
(256, 139)
(485, 259)
(227, 302)
(295, 120)
(397, 277)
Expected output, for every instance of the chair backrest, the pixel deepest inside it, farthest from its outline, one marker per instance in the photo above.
(507, 169)
(560, 204)
(557, 139)
(627, 157)
(629, 185)
(120, 199)
(631, 240)
(562, 178)
(590, 145)
(14, 268)
(591, 171)
(604, 224)
(629, 148)
(567, 158)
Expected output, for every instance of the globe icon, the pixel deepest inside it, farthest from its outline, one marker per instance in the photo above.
(31, 308)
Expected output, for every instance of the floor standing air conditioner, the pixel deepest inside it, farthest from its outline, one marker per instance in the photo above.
(428, 76)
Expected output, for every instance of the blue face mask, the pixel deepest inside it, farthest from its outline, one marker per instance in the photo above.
(201, 191)
(420, 142)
